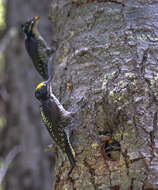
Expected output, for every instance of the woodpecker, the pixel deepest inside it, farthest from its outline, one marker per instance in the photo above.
(55, 118)
(37, 47)
(111, 149)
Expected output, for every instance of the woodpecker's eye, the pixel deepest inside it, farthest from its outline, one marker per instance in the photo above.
(28, 26)
(25, 27)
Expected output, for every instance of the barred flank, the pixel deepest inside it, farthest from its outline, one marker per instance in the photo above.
(60, 137)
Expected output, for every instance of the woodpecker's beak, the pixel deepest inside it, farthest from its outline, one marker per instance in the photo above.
(37, 18)
(34, 24)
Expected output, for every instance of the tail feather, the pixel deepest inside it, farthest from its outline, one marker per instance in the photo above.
(70, 154)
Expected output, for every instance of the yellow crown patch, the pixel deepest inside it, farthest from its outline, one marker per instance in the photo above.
(39, 85)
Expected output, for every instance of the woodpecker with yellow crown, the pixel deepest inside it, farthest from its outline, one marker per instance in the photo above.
(37, 47)
(55, 118)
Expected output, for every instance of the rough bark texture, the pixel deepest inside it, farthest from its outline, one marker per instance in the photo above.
(107, 51)
(31, 169)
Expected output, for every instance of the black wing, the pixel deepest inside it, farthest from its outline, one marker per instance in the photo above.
(51, 111)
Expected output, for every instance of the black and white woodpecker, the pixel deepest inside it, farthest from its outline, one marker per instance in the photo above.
(55, 118)
(37, 48)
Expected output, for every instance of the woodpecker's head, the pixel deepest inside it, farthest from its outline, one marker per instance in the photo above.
(30, 27)
(41, 92)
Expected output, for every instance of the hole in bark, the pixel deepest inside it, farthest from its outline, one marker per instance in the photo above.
(111, 149)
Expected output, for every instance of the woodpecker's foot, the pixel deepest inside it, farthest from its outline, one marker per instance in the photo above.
(51, 50)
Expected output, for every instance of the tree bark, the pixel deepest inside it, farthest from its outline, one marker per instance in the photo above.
(105, 70)
(32, 167)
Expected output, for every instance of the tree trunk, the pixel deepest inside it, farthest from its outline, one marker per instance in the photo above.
(32, 167)
(105, 70)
